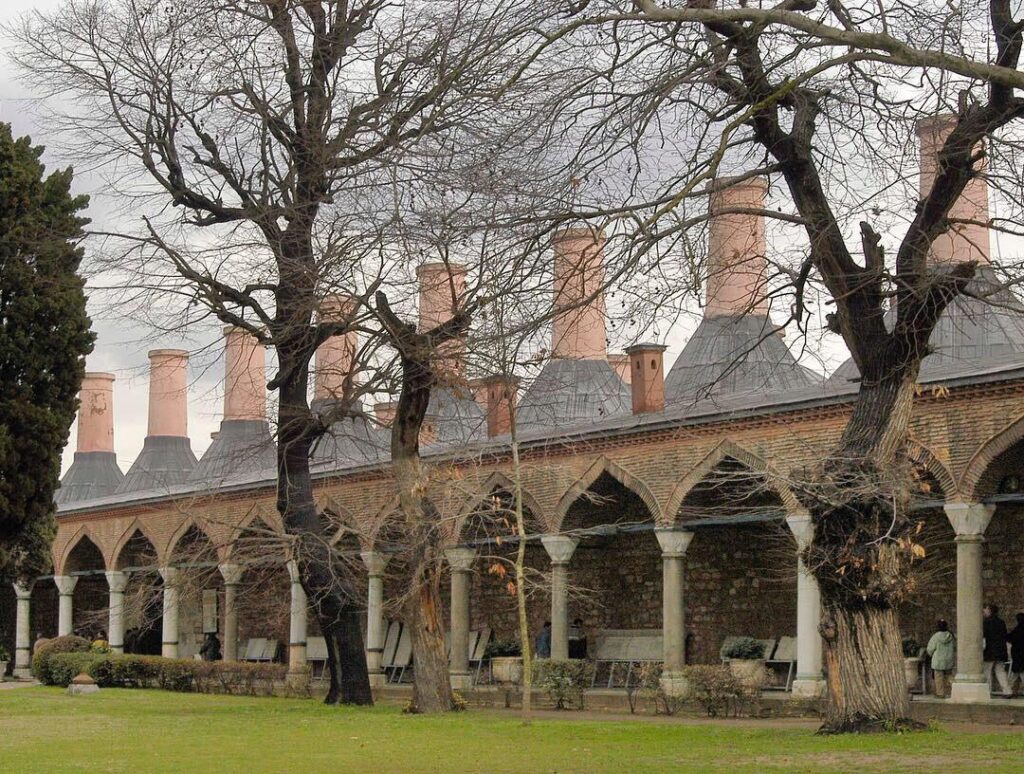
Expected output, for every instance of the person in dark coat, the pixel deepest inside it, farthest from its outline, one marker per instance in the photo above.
(1016, 640)
(211, 648)
(542, 645)
(995, 652)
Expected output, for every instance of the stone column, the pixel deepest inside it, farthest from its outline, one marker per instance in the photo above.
(232, 574)
(22, 631)
(460, 560)
(808, 680)
(673, 616)
(170, 618)
(297, 630)
(560, 549)
(66, 609)
(117, 582)
(375, 563)
(969, 520)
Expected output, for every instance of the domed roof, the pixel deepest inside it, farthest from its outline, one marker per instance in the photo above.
(970, 333)
(241, 447)
(92, 474)
(571, 392)
(735, 353)
(164, 461)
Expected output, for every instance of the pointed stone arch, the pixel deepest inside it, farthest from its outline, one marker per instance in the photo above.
(600, 467)
(383, 522)
(83, 533)
(345, 522)
(497, 481)
(183, 529)
(724, 451)
(985, 455)
(136, 527)
(924, 457)
(256, 515)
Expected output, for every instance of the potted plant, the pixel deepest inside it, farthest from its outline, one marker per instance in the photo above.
(745, 657)
(912, 661)
(506, 658)
(4, 658)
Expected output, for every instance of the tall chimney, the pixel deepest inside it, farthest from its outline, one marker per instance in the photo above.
(335, 358)
(96, 413)
(648, 382)
(442, 289)
(245, 376)
(963, 241)
(385, 412)
(737, 266)
(579, 331)
(501, 400)
(168, 393)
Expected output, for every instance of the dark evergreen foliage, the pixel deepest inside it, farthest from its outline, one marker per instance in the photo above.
(44, 338)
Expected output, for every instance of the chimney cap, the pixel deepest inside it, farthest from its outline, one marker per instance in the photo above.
(167, 353)
(499, 378)
(432, 267)
(645, 347)
(99, 376)
(583, 231)
(935, 123)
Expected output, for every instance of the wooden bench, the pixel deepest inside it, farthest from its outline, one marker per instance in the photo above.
(619, 652)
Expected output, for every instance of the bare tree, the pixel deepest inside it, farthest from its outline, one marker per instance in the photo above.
(257, 140)
(692, 96)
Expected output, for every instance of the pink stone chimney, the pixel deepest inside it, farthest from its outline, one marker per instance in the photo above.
(737, 266)
(648, 381)
(245, 376)
(168, 393)
(442, 289)
(385, 412)
(96, 413)
(501, 394)
(579, 331)
(335, 358)
(963, 241)
(623, 366)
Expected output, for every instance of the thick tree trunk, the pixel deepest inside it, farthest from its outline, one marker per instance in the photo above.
(331, 594)
(866, 684)
(862, 555)
(431, 690)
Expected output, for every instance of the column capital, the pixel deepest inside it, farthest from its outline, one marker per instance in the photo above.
(460, 559)
(232, 573)
(969, 520)
(66, 584)
(673, 542)
(23, 591)
(559, 547)
(802, 527)
(117, 580)
(170, 575)
(375, 562)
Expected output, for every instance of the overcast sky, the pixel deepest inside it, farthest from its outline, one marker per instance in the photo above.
(122, 345)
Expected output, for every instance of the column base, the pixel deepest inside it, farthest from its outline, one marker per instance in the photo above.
(808, 687)
(22, 673)
(964, 692)
(460, 681)
(675, 684)
(169, 650)
(377, 680)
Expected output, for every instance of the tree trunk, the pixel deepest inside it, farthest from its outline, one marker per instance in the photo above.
(331, 595)
(862, 555)
(866, 685)
(431, 690)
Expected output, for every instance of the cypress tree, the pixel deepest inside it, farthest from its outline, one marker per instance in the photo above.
(44, 338)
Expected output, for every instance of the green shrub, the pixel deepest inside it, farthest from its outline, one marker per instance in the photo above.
(62, 668)
(503, 649)
(46, 649)
(743, 648)
(715, 688)
(130, 671)
(564, 681)
(911, 647)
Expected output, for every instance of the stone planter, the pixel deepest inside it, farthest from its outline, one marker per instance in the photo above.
(750, 672)
(912, 672)
(507, 669)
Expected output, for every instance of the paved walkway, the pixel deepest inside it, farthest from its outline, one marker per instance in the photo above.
(7, 685)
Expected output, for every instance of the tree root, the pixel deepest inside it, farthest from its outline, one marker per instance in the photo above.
(866, 725)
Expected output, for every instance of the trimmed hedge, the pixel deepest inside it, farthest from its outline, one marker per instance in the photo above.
(566, 681)
(47, 649)
(170, 674)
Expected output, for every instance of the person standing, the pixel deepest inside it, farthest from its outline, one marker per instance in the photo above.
(1016, 640)
(942, 651)
(995, 652)
(211, 648)
(542, 646)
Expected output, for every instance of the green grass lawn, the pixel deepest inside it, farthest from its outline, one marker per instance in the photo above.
(43, 730)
